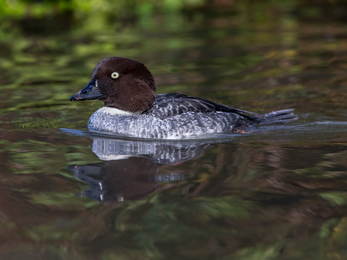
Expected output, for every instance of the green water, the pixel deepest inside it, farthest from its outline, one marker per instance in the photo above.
(278, 193)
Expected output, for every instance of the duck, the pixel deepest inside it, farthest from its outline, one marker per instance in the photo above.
(132, 108)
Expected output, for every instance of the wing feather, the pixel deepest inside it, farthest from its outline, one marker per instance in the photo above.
(174, 104)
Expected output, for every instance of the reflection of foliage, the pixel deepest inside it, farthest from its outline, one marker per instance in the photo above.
(29, 156)
(235, 214)
(241, 201)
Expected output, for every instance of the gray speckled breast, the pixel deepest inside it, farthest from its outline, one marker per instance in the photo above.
(186, 125)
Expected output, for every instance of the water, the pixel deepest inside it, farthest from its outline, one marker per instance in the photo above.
(278, 192)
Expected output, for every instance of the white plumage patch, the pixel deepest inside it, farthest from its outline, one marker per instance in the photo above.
(115, 111)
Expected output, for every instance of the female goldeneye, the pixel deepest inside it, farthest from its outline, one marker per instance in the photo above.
(133, 109)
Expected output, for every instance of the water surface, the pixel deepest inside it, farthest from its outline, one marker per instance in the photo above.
(276, 193)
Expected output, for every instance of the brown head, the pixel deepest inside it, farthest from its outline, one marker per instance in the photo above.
(120, 83)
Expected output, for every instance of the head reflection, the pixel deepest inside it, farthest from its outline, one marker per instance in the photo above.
(129, 167)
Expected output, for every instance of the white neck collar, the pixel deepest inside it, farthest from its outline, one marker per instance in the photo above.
(116, 111)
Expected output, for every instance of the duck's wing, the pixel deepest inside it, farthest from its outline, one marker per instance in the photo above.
(172, 104)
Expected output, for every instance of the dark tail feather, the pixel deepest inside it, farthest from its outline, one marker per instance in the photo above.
(279, 117)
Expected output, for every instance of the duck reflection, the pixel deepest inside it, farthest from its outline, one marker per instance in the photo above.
(126, 178)
(129, 167)
(161, 152)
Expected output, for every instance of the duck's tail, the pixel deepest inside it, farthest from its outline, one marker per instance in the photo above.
(279, 117)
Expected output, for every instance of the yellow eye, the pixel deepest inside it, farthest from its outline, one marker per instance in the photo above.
(114, 75)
